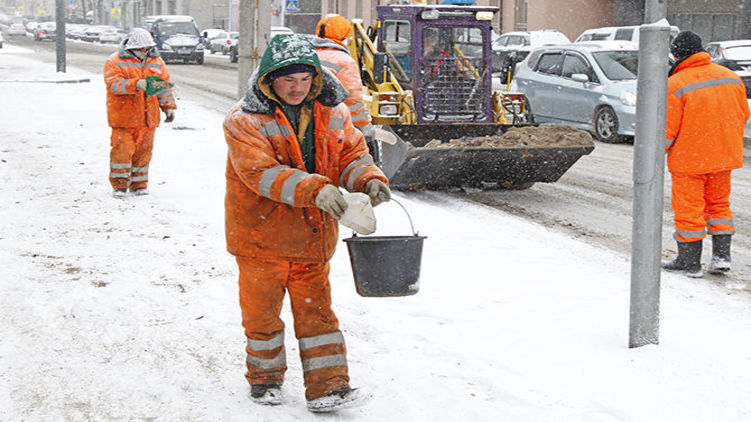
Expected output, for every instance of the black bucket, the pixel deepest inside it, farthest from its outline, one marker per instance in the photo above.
(386, 266)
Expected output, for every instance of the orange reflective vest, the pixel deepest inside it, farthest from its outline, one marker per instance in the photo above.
(336, 58)
(127, 106)
(707, 110)
(270, 202)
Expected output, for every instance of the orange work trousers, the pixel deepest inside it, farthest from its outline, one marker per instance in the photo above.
(130, 156)
(701, 204)
(322, 350)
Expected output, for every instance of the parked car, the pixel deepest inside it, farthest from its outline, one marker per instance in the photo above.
(80, 32)
(617, 33)
(45, 31)
(220, 43)
(209, 34)
(92, 33)
(16, 29)
(176, 37)
(736, 56)
(591, 86)
(275, 30)
(110, 35)
(512, 47)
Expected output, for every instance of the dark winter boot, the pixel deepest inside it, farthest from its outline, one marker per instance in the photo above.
(688, 260)
(268, 394)
(720, 254)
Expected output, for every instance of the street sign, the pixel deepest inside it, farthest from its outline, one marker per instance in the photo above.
(292, 5)
(115, 12)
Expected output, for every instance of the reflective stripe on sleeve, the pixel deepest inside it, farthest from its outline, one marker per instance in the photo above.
(360, 116)
(289, 186)
(270, 344)
(262, 363)
(267, 179)
(324, 362)
(119, 87)
(356, 106)
(353, 177)
(154, 66)
(329, 338)
(331, 65)
(707, 84)
(364, 160)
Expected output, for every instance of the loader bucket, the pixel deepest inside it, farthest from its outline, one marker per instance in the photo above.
(411, 167)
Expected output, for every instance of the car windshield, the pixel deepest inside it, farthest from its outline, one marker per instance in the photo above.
(234, 35)
(618, 65)
(741, 52)
(175, 28)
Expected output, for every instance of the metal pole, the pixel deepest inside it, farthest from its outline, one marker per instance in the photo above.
(654, 10)
(254, 25)
(60, 37)
(649, 179)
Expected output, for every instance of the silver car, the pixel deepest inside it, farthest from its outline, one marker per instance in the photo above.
(591, 86)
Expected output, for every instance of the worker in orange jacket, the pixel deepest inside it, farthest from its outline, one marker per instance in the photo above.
(332, 31)
(132, 114)
(707, 110)
(291, 146)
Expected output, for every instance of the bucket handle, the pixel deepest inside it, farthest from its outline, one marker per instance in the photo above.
(383, 196)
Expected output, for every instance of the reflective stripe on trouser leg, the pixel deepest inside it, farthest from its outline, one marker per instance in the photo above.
(717, 211)
(261, 296)
(122, 146)
(144, 144)
(688, 206)
(322, 348)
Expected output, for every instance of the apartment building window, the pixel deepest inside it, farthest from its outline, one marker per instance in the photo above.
(172, 7)
(520, 15)
(710, 27)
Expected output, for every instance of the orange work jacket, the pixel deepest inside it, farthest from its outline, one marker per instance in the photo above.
(270, 207)
(336, 58)
(707, 110)
(127, 106)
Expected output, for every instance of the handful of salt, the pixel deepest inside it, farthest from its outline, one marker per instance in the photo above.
(359, 214)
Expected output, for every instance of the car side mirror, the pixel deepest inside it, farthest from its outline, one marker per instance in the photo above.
(580, 77)
(380, 62)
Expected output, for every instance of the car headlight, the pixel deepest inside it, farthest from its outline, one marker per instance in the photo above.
(629, 99)
(199, 47)
(166, 47)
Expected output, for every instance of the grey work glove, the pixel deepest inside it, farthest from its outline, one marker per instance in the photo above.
(378, 192)
(142, 84)
(331, 200)
(169, 115)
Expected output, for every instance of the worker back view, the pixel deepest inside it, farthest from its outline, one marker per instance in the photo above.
(331, 32)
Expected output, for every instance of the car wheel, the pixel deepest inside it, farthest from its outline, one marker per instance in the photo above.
(199, 60)
(233, 56)
(606, 125)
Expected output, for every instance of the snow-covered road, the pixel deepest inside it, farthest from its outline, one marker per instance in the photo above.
(127, 309)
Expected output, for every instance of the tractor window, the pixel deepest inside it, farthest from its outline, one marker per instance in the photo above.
(397, 43)
(452, 41)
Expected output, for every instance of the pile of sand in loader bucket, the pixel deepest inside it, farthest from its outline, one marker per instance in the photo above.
(544, 135)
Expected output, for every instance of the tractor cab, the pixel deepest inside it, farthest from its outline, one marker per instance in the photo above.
(443, 55)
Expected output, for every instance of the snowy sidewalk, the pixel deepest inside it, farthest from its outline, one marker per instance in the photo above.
(123, 310)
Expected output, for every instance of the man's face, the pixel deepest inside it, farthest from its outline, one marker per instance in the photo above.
(140, 52)
(293, 88)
